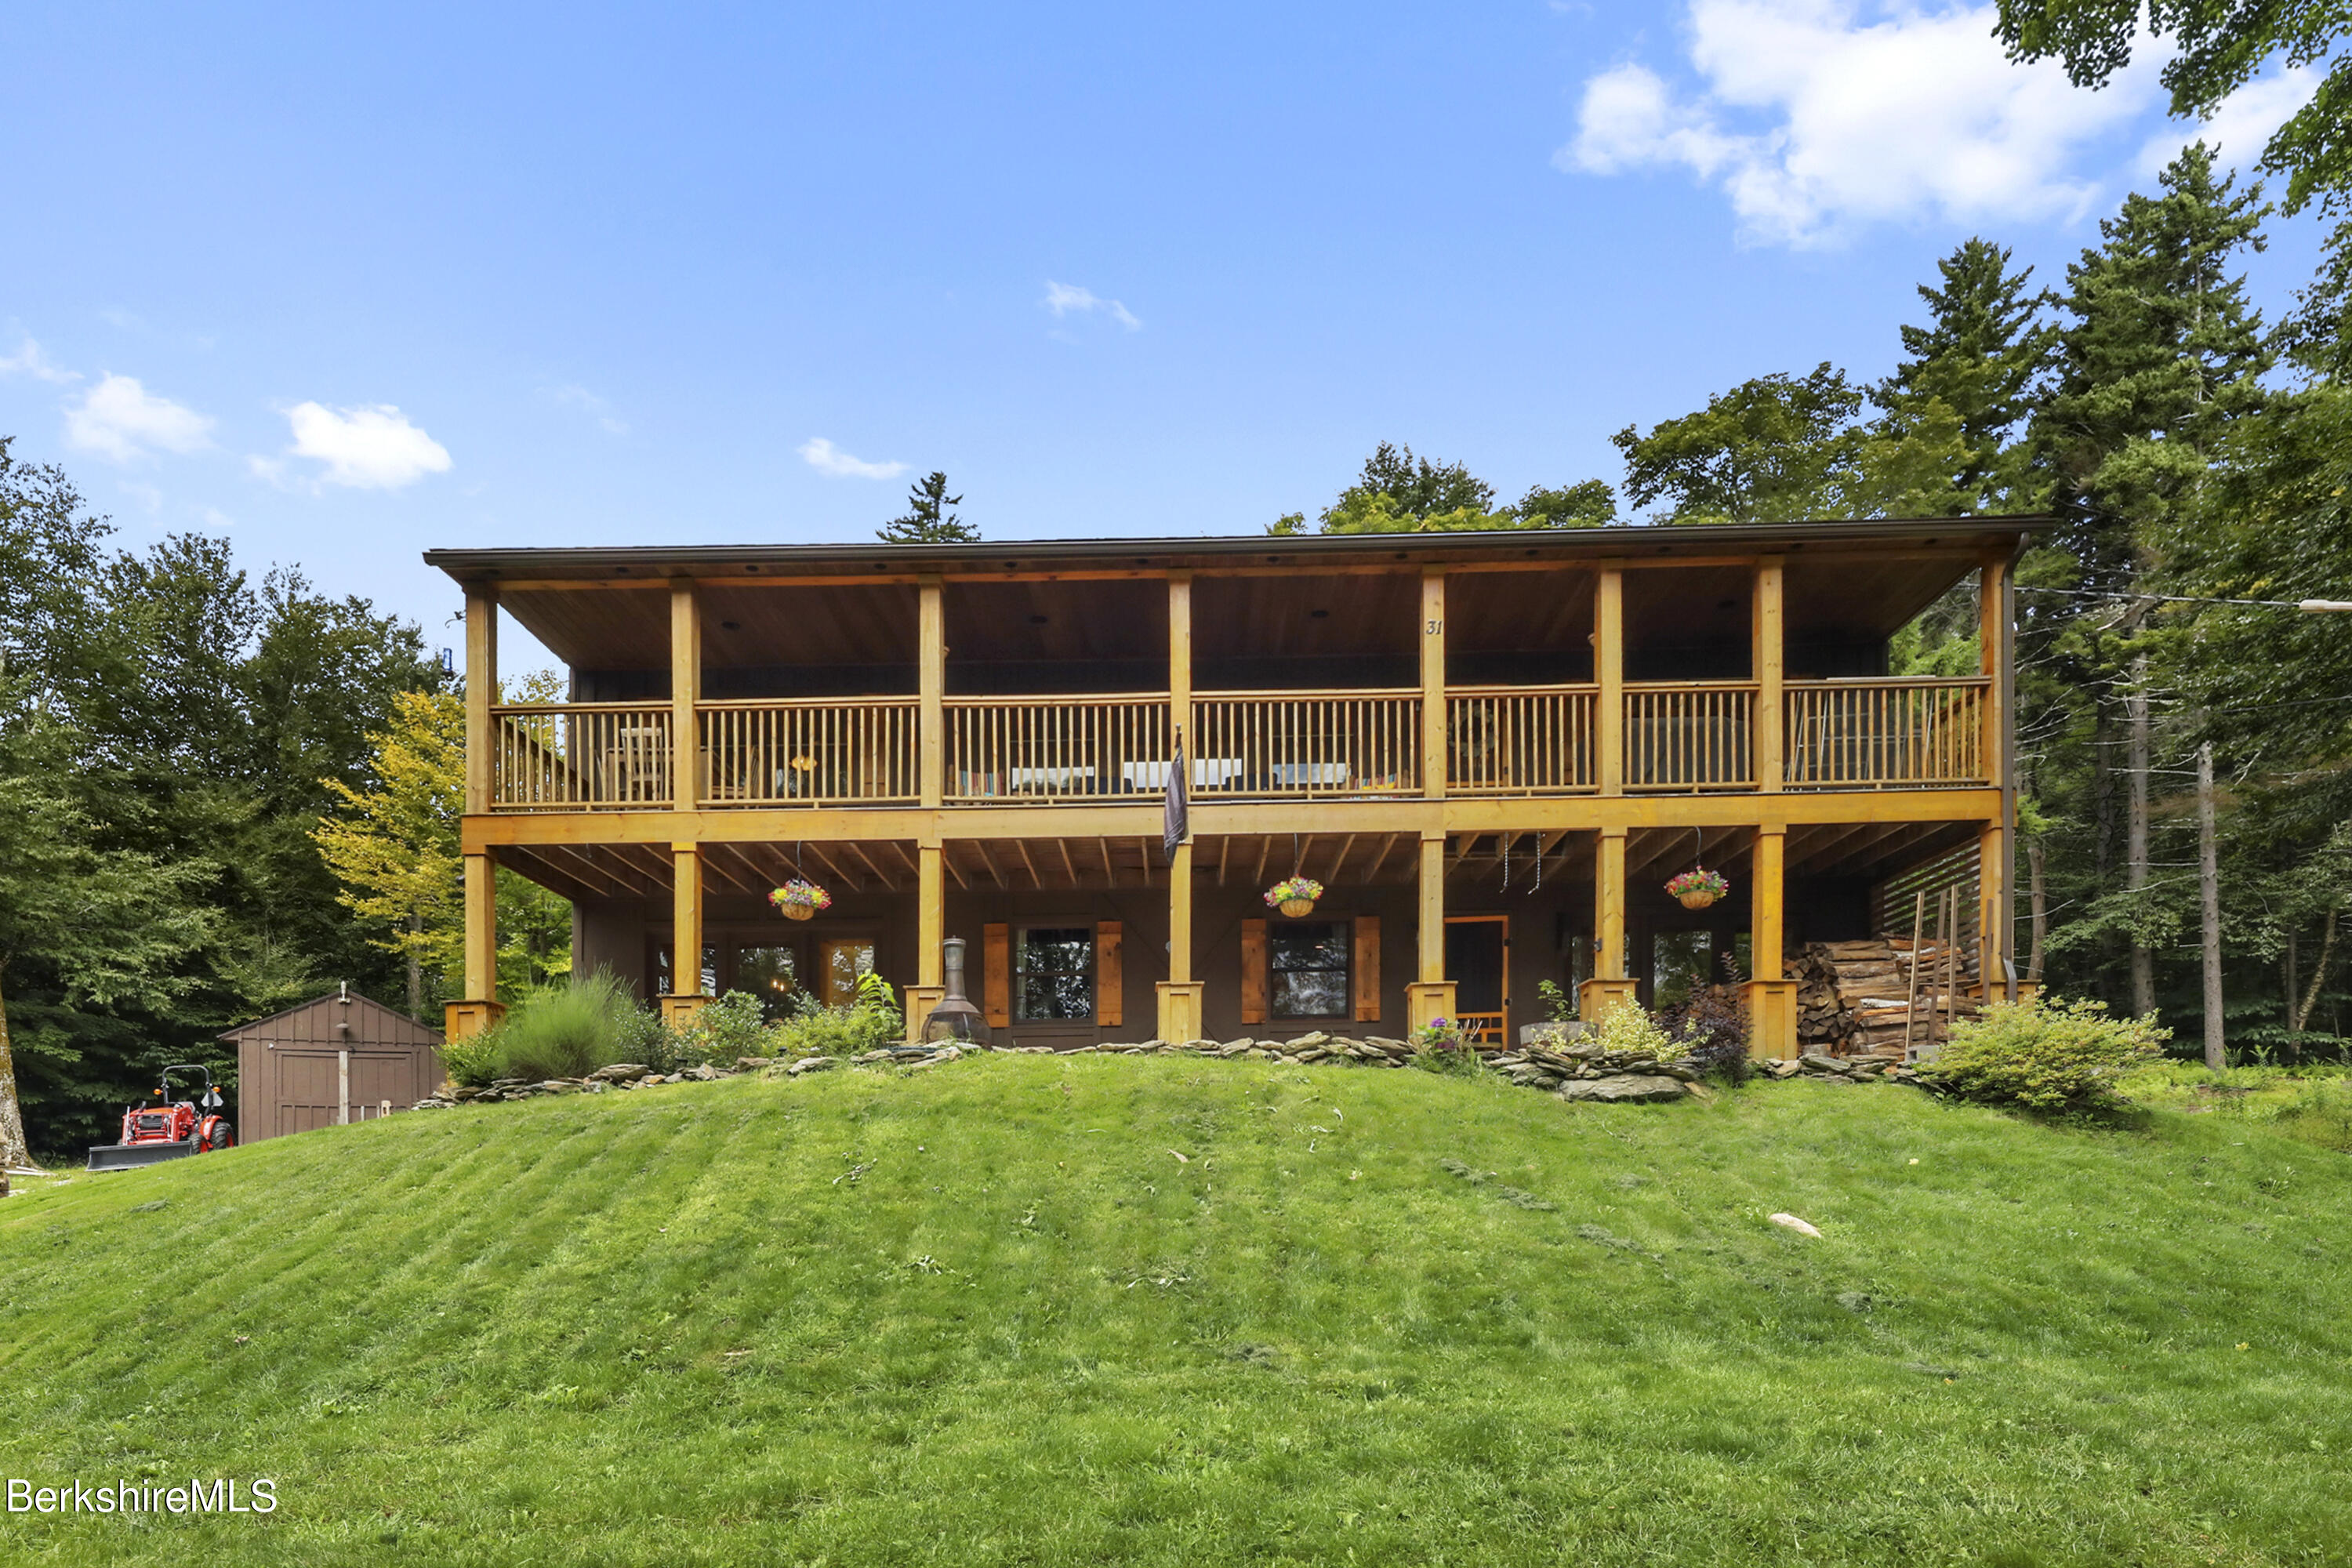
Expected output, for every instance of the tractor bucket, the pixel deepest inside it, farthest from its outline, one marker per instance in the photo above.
(131, 1156)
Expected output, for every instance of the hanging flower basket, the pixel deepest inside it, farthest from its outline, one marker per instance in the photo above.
(1699, 887)
(801, 900)
(1294, 896)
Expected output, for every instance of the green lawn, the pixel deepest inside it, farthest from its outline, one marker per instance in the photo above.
(983, 1314)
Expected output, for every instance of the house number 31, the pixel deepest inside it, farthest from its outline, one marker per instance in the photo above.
(1435, 628)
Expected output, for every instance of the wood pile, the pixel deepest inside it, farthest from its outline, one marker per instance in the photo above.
(1855, 998)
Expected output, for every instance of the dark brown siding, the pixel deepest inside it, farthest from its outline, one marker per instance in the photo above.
(289, 1065)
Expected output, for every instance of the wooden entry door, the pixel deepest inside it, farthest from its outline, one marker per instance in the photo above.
(1478, 962)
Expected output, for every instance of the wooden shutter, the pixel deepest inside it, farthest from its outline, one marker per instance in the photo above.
(1367, 968)
(1253, 971)
(996, 974)
(1110, 976)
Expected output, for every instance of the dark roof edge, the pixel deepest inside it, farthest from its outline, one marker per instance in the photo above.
(245, 1028)
(1641, 539)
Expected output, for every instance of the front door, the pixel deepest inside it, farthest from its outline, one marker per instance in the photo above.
(1478, 962)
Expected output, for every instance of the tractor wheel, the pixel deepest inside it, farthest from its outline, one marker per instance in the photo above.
(222, 1137)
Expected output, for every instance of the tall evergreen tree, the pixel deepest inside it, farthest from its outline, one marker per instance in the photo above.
(2158, 360)
(1981, 354)
(928, 519)
(2160, 355)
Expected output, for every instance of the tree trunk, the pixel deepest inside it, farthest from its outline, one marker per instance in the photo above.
(2286, 997)
(2038, 903)
(2143, 958)
(416, 973)
(2318, 972)
(13, 1154)
(2209, 898)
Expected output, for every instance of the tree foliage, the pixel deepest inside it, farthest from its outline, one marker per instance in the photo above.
(930, 516)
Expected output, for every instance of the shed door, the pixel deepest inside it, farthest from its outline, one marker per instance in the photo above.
(308, 1087)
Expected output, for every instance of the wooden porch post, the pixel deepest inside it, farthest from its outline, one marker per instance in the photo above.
(685, 998)
(1771, 1000)
(1430, 994)
(479, 1008)
(931, 934)
(1180, 997)
(685, 691)
(1433, 684)
(1609, 983)
(931, 683)
(1769, 664)
(1996, 843)
(1609, 680)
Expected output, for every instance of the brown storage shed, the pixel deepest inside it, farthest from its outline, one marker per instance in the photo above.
(338, 1060)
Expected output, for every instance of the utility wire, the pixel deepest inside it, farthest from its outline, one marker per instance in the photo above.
(2164, 598)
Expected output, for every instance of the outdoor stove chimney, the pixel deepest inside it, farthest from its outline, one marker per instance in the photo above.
(955, 1018)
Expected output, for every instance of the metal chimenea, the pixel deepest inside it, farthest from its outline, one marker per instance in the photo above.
(955, 1018)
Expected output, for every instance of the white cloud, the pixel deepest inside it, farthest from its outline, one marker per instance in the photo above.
(30, 361)
(827, 459)
(2242, 124)
(1818, 116)
(372, 447)
(588, 402)
(1063, 298)
(121, 419)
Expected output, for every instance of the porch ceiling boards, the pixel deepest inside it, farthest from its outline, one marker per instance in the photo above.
(641, 870)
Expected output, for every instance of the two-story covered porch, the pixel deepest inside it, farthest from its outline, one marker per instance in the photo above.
(1493, 749)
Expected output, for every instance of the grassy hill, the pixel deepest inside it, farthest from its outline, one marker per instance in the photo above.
(984, 1314)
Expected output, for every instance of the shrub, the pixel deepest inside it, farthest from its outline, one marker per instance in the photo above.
(565, 1031)
(1711, 1030)
(472, 1062)
(1627, 1029)
(726, 1030)
(1560, 1007)
(2045, 1056)
(1438, 1047)
(867, 1024)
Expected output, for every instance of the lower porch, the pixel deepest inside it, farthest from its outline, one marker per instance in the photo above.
(1080, 939)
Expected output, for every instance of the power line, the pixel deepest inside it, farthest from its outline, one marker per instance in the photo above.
(2167, 598)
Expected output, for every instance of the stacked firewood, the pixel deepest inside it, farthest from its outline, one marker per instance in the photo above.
(1855, 998)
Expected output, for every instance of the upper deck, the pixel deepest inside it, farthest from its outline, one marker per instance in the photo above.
(1607, 662)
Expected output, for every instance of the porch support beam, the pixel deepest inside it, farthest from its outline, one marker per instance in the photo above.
(685, 691)
(931, 686)
(1609, 983)
(1609, 676)
(1431, 996)
(1433, 682)
(1770, 664)
(685, 998)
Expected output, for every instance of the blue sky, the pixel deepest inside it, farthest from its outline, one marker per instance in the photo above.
(347, 283)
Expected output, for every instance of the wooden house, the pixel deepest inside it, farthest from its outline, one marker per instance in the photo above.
(1493, 749)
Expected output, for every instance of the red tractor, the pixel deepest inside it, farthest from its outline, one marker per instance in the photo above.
(171, 1131)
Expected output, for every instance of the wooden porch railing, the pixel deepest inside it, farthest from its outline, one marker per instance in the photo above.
(1056, 748)
(1892, 733)
(1690, 735)
(579, 756)
(1520, 740)
(809, 752)
(1286, 743)
(1857, 735)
